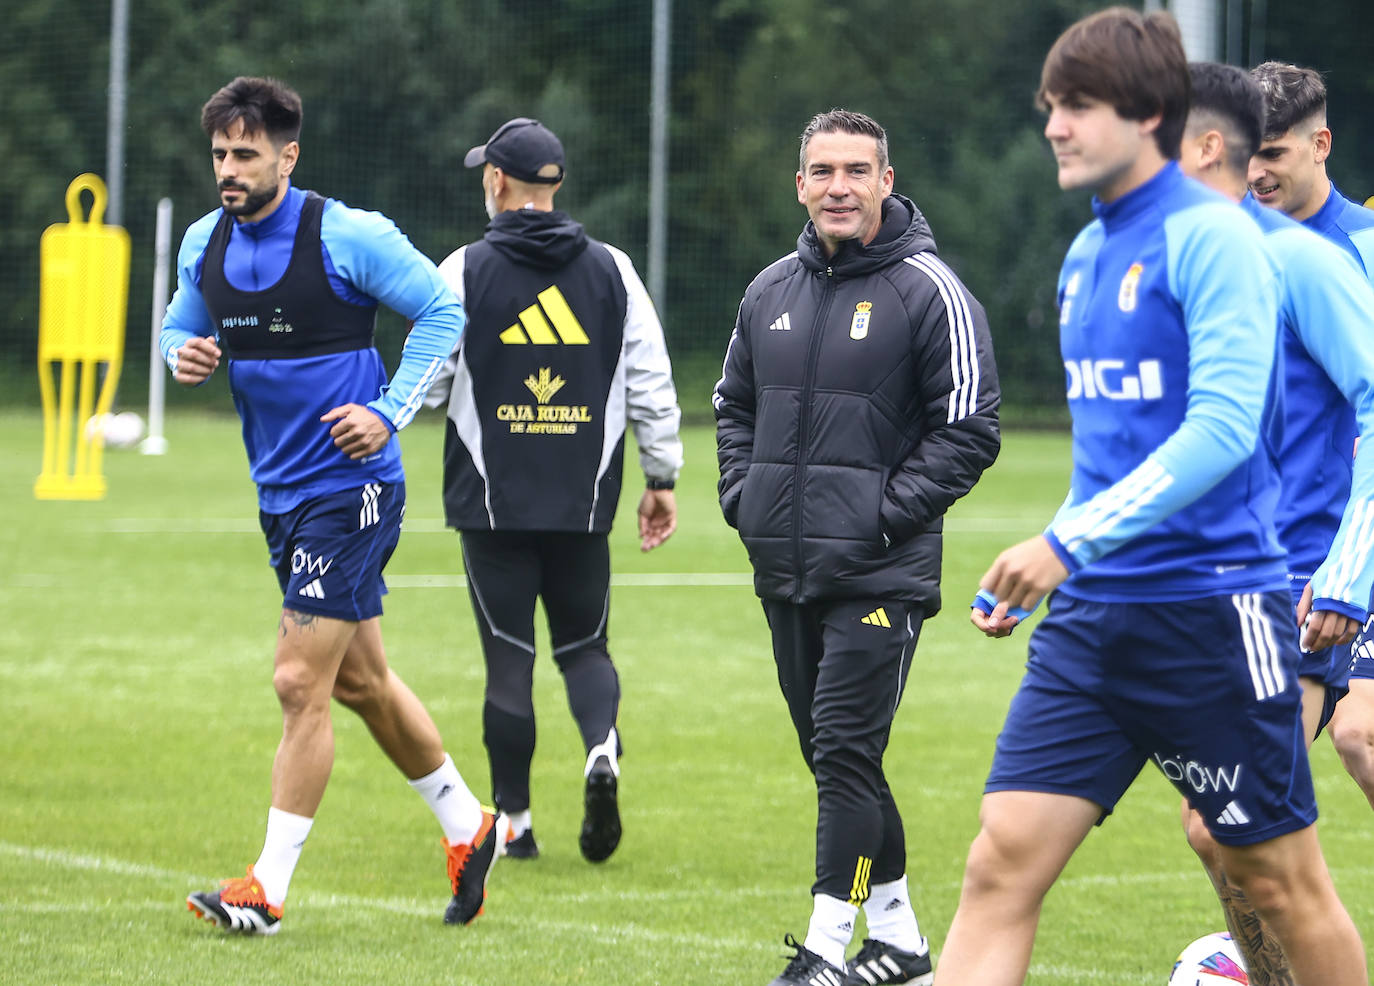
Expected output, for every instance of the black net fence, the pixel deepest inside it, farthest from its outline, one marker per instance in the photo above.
(395, 91)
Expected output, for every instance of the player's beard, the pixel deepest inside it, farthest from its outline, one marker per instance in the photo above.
(253, 199)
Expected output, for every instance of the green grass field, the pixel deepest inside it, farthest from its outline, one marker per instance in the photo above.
(139, 726)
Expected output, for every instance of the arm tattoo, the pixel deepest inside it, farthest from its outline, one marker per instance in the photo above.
(1264, 959)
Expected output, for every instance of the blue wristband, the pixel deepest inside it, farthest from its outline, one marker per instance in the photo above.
(986, 602)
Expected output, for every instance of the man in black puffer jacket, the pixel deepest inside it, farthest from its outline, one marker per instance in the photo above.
(858, 402)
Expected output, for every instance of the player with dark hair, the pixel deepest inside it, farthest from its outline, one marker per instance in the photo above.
(285, 284)
(1289, 173)
(1170, 635)
(857, 402)
(1325, 304)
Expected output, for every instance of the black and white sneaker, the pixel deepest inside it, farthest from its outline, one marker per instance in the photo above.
(238, 906)
(601, 818)
(523, 846)
(806, 968)
(879, 962)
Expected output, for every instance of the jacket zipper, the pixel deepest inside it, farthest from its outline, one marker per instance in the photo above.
(804, 423)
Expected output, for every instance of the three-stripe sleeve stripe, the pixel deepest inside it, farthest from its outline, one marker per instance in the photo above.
(1354, 551)
(963, 349)
(1141, 488)
(1261, 649)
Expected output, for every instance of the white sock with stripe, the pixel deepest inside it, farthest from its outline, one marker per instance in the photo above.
(891, 919)
(457, 808)
(281, 851)
(831, 928)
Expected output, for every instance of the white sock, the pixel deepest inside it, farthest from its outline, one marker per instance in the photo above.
(606, 748)
(831, 928)
(281, 850)
(891, 919)
(519, 822)
(457, 808)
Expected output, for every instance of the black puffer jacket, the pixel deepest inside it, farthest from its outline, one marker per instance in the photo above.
(858, 401)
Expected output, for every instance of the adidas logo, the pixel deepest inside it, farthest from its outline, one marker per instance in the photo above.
(826, 977)
(847, 926)
(783, 323)
(444, 792)
(895, 904)
(312, 590)
(1233, 815)
(877, 618)
(547, 323)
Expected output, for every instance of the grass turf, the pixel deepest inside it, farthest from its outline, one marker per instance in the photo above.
(139, 727)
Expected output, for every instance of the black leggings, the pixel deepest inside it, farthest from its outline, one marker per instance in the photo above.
(507, 571)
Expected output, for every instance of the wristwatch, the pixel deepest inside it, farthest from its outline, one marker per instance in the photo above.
(659, 484)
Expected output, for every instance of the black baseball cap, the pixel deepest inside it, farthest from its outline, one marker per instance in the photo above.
(520, 148)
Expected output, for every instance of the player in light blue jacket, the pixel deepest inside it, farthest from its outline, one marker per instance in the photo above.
(285, 284)
(1289, 174)
(1327, 500)
(1170, 636)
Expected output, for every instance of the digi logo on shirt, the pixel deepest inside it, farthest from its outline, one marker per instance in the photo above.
(1114, 380)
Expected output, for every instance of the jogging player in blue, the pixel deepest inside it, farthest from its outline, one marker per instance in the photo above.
(1171, 637)
(1325, 304)
(286, 285)
(1289, 174)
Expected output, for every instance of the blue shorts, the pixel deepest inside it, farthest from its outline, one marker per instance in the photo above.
(1330, 666)
(1207, 689)
(1362, 653)
(329, 552)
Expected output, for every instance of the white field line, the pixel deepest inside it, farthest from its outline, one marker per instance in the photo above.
(1026, 526)
(414, 907)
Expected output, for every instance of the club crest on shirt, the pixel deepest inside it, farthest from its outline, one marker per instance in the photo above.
(1130, 288)
(858, 326)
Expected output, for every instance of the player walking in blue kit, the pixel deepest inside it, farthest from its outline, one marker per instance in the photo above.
(1289, 174)
(1325, 304)
(1170, 637)
(286, 284)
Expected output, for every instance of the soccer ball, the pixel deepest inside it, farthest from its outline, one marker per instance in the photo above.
(1212, 960)
(122, 430)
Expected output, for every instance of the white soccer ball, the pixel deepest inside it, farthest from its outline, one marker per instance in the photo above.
(122, 430)
(1212, 960)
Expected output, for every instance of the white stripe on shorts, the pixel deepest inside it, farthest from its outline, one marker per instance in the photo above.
(1261, 650)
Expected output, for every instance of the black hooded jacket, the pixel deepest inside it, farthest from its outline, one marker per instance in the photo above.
(561, 349)
(858, 402)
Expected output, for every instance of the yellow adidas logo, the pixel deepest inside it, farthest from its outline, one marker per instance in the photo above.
(877, 618)
(560, 325)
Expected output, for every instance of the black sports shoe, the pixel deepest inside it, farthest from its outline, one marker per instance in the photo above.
(239, 906)
(601, 820)
(523, 847)
(879, 962)
(469, 865)
(806, 968)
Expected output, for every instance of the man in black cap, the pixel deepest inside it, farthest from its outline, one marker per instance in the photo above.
(562, 348)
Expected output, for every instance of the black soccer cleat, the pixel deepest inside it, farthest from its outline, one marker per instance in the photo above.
(469, 865)
(601, 818)
(806, 968)
(523, 846)
(879, 962)
(238, 906)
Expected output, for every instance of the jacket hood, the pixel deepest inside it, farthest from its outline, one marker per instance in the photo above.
(535, 238)
(904, 231)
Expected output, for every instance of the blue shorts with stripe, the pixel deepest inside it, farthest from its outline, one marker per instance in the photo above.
(1330, 666)
(329, 552)
(1362, 653)
(1206, 689)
